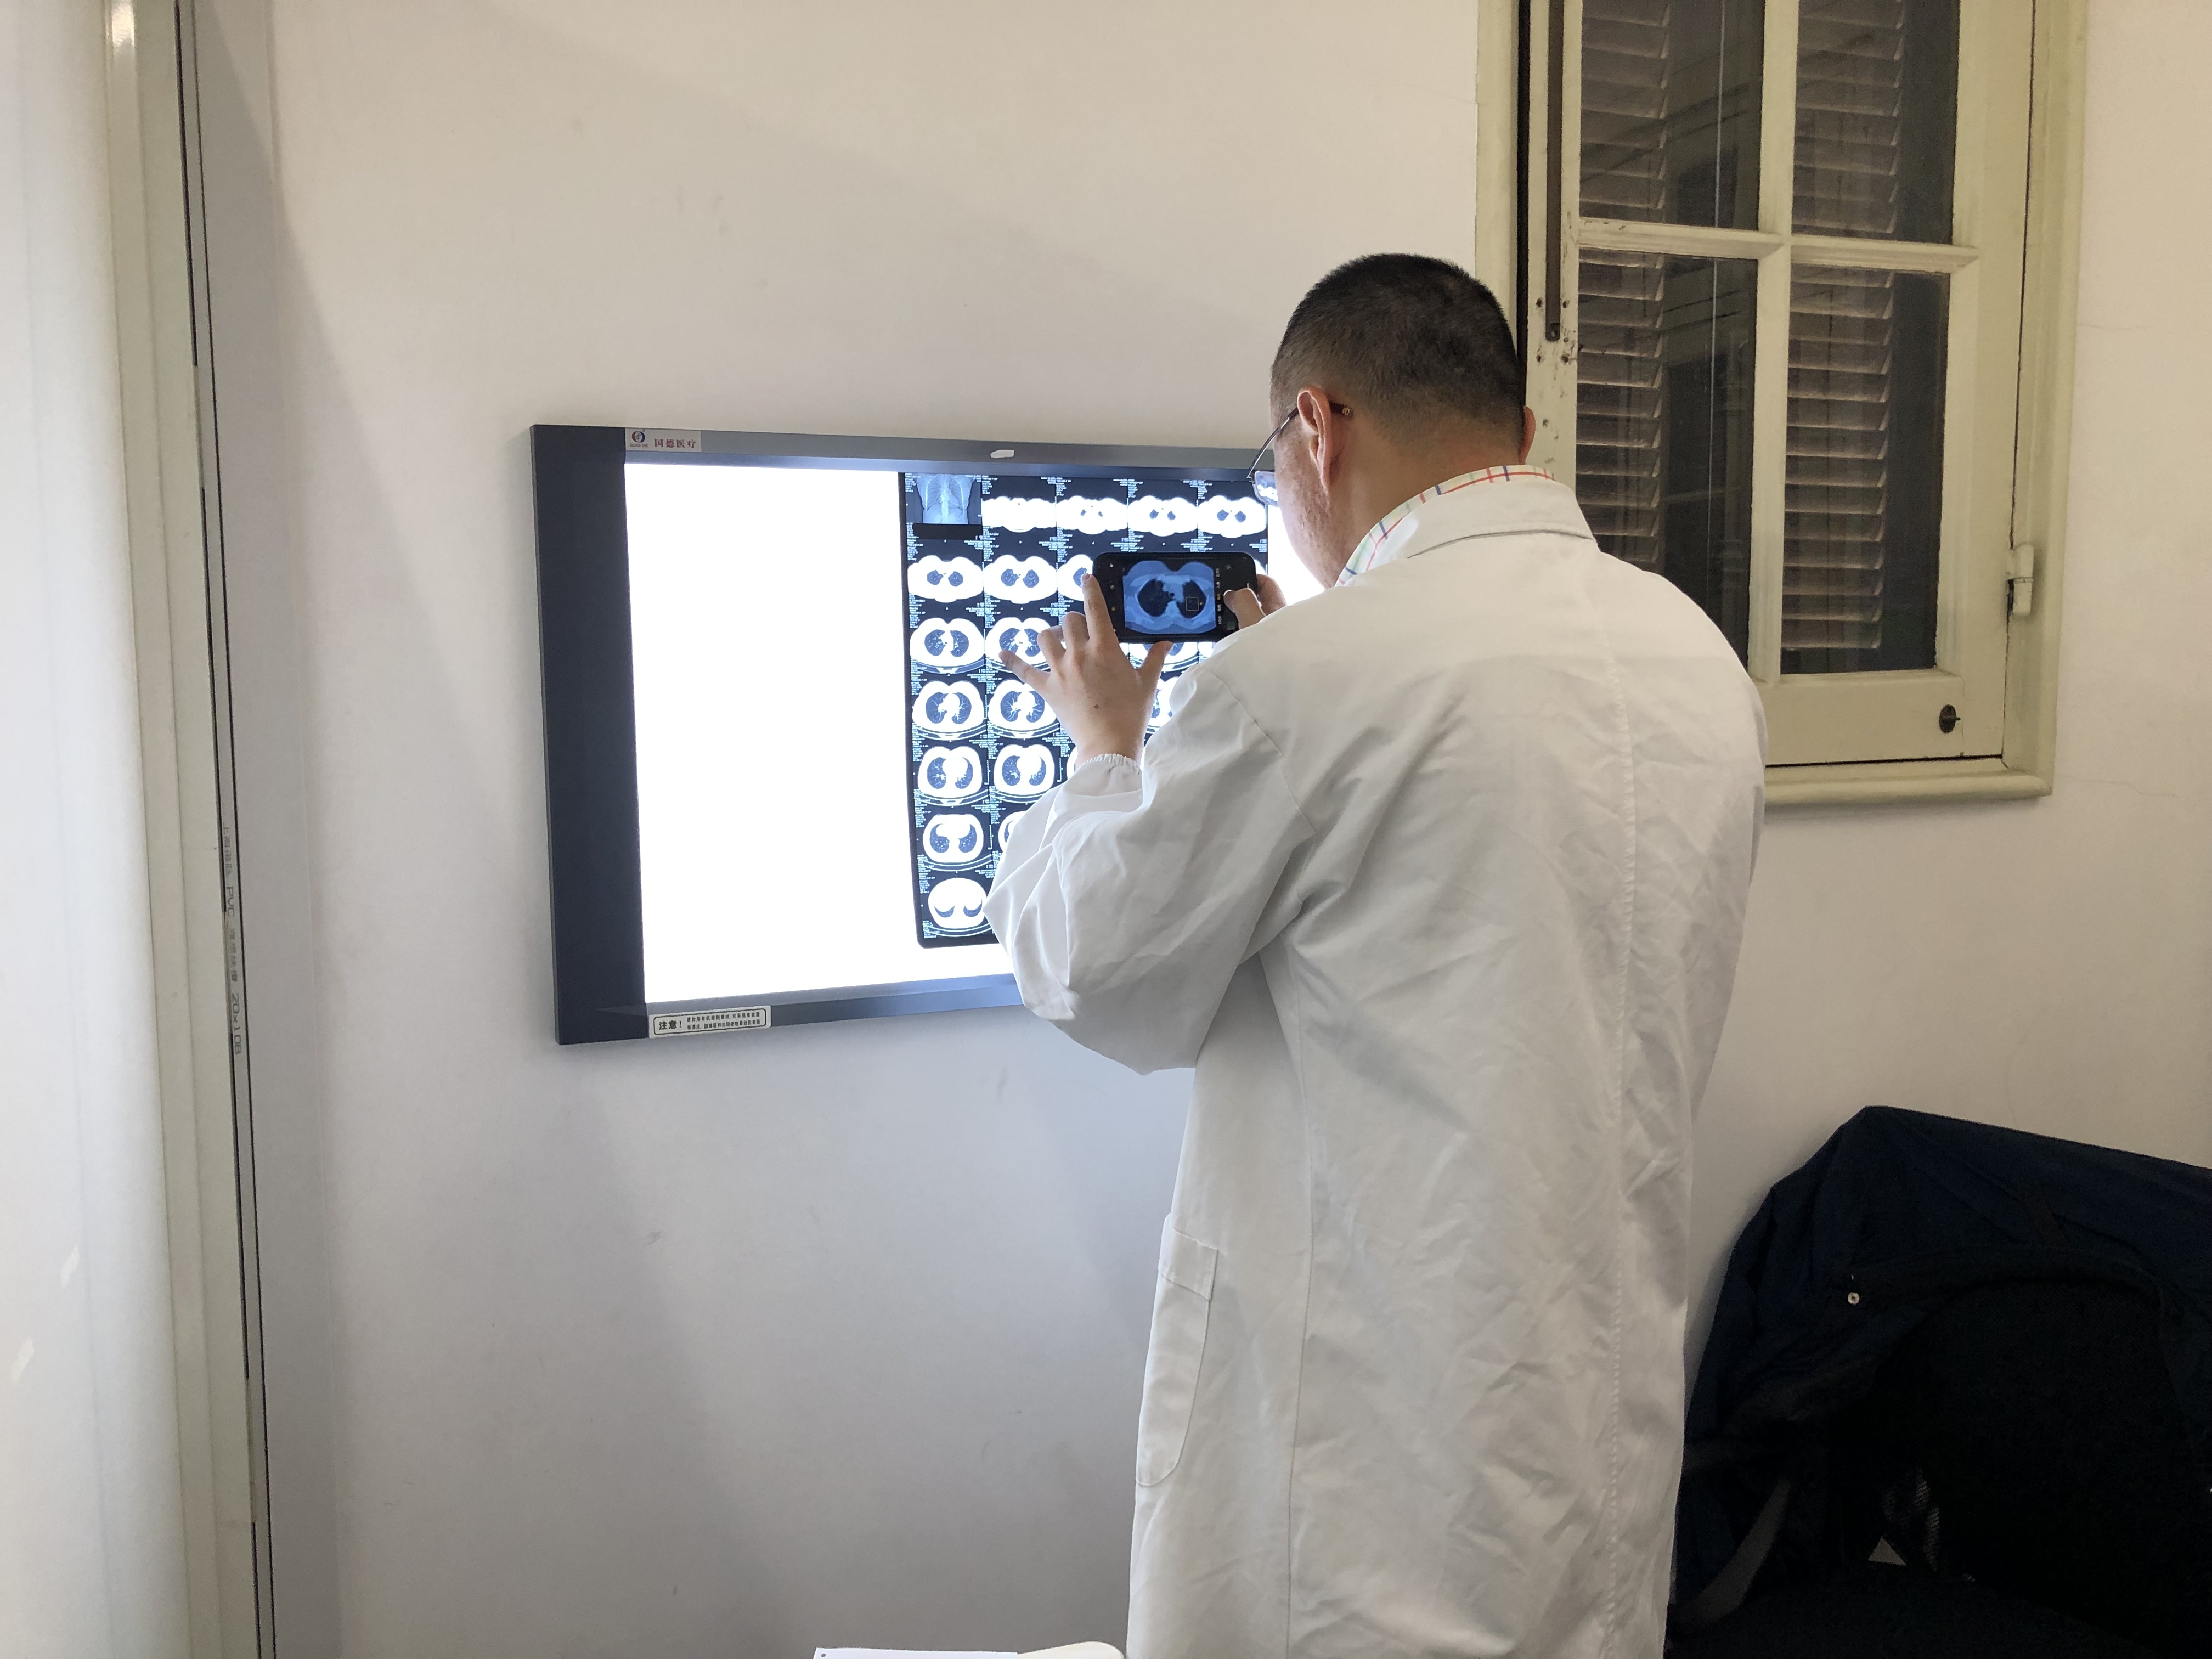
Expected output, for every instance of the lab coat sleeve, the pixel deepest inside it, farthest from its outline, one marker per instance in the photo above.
(1130, 894)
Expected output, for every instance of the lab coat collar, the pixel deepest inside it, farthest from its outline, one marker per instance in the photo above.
(1509, 501)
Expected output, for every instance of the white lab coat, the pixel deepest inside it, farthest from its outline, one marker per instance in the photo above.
(1438, 879)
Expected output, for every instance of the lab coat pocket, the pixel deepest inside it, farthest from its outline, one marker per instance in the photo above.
(1180, 1306)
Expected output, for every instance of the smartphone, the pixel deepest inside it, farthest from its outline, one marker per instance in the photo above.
(1172, 596)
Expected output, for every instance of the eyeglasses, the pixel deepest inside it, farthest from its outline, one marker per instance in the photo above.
(1262, 478)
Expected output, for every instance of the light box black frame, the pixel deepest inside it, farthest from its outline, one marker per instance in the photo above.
(591, 724)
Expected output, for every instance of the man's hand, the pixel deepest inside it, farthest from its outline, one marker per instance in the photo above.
(1102, 699)
(1251, 608)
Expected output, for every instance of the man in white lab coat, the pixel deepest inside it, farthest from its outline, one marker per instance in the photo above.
(1437, 878)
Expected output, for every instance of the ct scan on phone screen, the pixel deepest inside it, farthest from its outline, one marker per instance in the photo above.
(1160, 595)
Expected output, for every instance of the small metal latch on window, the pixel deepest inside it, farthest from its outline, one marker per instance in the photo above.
(2020, 588)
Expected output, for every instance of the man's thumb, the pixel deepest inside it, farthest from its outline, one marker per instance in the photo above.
(1155, 659)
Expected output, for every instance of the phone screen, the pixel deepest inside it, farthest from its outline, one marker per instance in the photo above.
(1170, 596)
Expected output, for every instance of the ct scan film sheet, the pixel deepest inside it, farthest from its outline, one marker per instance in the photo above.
(992, 561)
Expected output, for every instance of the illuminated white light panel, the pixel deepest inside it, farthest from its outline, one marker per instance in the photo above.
(770, 660)
(827, 767)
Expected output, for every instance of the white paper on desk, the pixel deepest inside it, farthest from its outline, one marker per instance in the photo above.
(903, 1653)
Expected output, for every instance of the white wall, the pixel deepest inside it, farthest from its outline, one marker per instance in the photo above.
(737, 1344)
(91, 1546)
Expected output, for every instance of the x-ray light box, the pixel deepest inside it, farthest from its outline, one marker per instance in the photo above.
(781, 755)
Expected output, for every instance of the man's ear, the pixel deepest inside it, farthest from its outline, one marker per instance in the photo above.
(1527, 431)
(1319, 429)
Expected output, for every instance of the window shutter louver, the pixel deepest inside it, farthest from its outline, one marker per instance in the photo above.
(1618, 401)
(1849, 132)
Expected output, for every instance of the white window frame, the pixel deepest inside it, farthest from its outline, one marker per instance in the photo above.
(2008, 407)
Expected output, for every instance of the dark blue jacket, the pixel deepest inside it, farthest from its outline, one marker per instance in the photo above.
(1897, 1213)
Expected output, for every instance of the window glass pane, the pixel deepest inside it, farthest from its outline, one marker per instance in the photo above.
(1865, 493)
(1877, 118)
(1670, 110)
(1662, 421)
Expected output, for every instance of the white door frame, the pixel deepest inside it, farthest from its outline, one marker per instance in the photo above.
(184, 716)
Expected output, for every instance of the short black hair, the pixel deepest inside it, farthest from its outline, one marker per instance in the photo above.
(1411, 337)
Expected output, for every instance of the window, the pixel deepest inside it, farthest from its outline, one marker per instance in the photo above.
(1775, 257)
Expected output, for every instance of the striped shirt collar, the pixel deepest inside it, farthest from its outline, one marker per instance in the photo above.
(1375, 547)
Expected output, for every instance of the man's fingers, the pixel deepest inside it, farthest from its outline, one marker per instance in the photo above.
(1077, 626)
(1094, 610)
(1263, 599)
(1055, 648)
(1031, 676)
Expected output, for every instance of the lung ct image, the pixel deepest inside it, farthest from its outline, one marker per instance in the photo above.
(992, 561)
(1161, 593)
